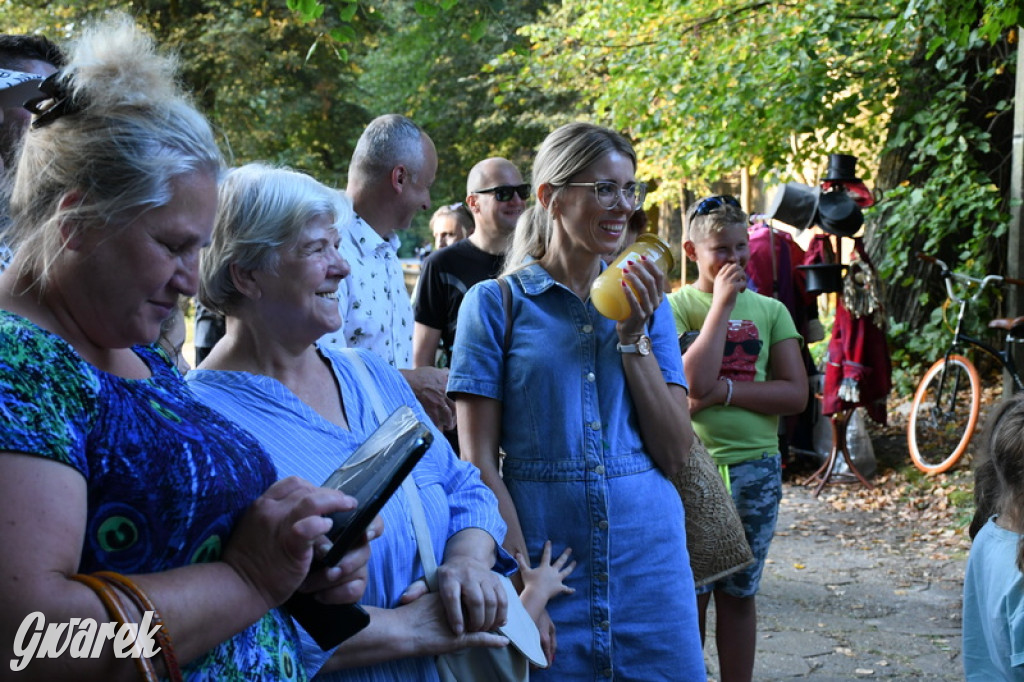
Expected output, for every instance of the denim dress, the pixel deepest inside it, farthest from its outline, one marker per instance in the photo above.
(578, 473)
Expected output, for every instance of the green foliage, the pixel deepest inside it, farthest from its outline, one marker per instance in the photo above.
(436, 67)
(309, 10)
(949, 204)
(922, 88)
(708, 86)
(257, 71)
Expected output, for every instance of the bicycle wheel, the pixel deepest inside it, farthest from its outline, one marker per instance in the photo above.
(944, 414)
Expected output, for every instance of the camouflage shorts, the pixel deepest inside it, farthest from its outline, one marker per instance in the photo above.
(756, 490)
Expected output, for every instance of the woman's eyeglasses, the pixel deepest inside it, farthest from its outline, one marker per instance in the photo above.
(609, 194)
(504, 193)
(712, 204)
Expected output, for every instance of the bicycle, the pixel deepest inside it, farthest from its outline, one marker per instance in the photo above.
(947, 402)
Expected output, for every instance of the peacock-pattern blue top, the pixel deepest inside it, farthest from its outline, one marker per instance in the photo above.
(167, 477)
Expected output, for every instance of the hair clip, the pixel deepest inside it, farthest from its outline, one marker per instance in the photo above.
(57, 101)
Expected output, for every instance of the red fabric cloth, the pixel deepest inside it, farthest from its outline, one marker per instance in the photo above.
(820, 251)
(858, 352)
(792, 283)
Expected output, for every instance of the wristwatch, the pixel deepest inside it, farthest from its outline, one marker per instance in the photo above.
(641, 347)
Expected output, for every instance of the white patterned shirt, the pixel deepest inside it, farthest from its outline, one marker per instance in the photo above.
(374, 303)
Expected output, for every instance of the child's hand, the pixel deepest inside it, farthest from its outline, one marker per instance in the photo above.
(547, 578)
(729, 282)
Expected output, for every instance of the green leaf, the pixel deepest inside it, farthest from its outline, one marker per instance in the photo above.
(343, 34)
(348, 11)
(425, 9)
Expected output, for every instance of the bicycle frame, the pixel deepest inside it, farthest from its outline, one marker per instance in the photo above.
(960, 340)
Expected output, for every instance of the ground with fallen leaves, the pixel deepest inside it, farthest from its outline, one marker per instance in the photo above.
(925, 515)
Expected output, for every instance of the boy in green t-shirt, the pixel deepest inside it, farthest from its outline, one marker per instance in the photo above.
(744, 369)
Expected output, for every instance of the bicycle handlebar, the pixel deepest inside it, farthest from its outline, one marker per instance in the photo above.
(982, 282)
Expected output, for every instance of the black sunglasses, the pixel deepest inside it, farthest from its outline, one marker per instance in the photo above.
(505, 192)
(711, 204)
(750, 346)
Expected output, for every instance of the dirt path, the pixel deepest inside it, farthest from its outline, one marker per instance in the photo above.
(855, 589)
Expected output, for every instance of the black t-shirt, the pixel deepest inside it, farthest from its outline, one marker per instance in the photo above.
(445, 278)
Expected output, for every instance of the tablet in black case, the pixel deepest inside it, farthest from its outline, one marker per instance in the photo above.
(372, 474)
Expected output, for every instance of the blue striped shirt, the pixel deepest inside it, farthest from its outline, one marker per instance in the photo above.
(303, 443)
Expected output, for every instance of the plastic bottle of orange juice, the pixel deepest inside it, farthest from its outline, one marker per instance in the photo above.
(606, 292)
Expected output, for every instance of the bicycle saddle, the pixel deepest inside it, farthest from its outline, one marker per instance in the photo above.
(1014, 326)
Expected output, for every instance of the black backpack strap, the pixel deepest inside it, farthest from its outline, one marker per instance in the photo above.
(506, 303)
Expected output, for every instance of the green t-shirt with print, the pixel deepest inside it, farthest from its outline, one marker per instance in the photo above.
(734, 434)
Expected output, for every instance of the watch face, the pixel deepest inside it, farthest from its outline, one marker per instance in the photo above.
(643, 345)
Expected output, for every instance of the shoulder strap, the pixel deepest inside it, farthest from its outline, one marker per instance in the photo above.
(412, 494)
(363, 375)
(506, 303)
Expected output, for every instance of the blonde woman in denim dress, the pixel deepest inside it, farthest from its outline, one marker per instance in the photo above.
(591, 416)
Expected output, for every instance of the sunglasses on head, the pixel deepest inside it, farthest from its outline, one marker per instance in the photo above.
(711, 204)
(505, 192)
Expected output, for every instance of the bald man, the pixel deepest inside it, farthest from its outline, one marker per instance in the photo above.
(496, 196)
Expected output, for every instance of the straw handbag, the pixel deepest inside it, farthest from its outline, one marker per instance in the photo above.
(714, 534)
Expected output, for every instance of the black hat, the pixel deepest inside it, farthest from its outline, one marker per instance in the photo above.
(823, 278)
(794, 204)
(839, 214)
(841, 167)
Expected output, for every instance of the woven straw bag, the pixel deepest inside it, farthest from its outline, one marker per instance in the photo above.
(714, 533)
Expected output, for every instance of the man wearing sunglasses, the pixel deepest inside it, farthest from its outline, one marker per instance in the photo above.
(496, 196)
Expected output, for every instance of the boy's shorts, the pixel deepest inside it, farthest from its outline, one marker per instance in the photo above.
(757, 491)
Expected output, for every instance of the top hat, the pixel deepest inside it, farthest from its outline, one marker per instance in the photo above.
(841, 167)
(842, 173)
(794, 204)
(839, 214)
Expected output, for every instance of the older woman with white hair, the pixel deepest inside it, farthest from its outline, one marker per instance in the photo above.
(121, 492)
(272, 270)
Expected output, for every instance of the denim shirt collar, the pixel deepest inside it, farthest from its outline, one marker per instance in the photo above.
(536, 280)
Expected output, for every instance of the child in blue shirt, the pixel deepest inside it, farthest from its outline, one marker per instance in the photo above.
(993, 623)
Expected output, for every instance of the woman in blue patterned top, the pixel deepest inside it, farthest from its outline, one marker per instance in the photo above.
(107, 461)
(273, 270)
